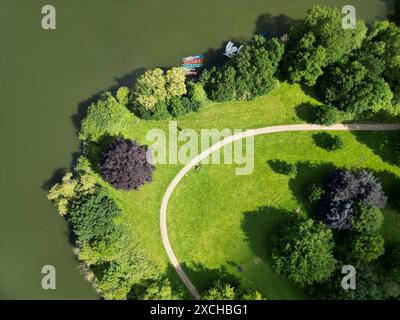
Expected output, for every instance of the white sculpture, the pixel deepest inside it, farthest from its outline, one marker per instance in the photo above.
(231, 50)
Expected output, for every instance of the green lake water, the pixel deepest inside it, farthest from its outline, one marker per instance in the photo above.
(46, 75)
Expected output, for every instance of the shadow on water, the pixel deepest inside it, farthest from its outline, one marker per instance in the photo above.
(274, 26)
(55, 178)
(127, 80)
(393, 8)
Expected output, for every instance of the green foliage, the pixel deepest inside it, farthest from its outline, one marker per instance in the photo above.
(62, 193)
(249, 74)
(226, 291)
(175, 82)
(315, 192)
(196, 93)
(306, 63)
(154, 88)
(369, 285)
(105, 116)
(353, 89)
(388, 34)
(117, 263)
(70, 187)
(92, 216)
(320, 41)
(393, 261)
(368, 247)
(303, 252)
(150, 89)
(123, 95)
(369, 220)
(156, 289)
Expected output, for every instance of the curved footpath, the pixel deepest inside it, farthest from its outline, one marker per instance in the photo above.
(252, 132)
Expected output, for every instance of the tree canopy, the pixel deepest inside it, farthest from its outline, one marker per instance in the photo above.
(125, 165)
(346, 189)
(303, 252)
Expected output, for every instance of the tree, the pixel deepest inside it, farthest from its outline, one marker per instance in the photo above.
(83, 183)
(105, 116)
(155, 87)
(369, 220)
(306, 63)
(303, 252)
(123, 95)
(326, 25)
(156, 289)
(368, 247)
(125, 165)
(249, 74)
(175, 82)
(226, 291)
(150, 88)
(388, 34)
(92, 216)
(318, 42)
(62, 193)
(368, 284)
(353, 89)
(346, 189)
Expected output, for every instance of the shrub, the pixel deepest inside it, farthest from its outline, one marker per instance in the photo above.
(368, 247)
(303, 252)
(70, 187)
(346, 189)
(315, 192)
(105, 116)
(124, 165)
(123, 95)
(327, 141)
(369, 220)
(196, 93)
(92, 216)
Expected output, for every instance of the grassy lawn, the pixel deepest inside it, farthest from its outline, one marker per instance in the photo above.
(221, 220)
(217, 220)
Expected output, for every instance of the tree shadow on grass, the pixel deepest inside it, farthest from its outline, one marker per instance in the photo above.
(384, 144)
(260, 224)
(202, 277)
(391, 186)
(307, 112)
(309, 173)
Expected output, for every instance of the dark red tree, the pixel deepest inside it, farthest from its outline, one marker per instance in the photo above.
(124, 165)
